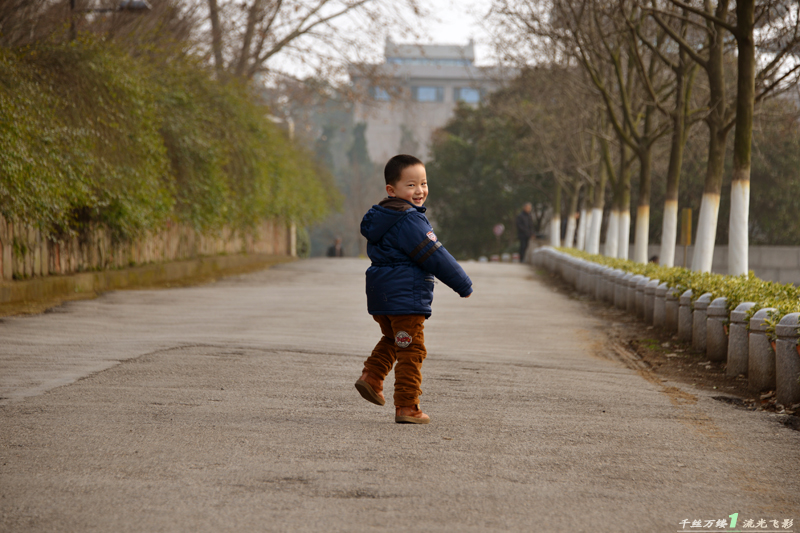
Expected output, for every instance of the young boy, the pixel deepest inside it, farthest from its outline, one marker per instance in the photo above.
(405, 258)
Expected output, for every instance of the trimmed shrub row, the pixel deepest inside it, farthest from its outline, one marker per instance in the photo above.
(94, 135)
(784, 298)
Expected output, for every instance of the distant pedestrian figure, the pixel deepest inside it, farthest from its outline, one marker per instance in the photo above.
(524, 229)
(336, 248)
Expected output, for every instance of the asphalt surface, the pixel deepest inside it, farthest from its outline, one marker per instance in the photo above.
(231, 407)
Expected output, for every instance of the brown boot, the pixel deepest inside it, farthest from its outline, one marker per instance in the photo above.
(371, 388)
(410, 415)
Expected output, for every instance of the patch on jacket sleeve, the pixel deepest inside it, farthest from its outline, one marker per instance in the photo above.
(431, 236)
(402, 339)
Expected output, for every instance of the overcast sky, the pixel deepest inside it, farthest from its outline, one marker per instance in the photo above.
(454, 22)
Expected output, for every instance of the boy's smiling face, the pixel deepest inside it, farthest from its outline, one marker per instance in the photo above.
(412, 185)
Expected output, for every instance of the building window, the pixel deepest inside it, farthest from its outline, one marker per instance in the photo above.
(467, 95)
(381, 94)
(426, 61)
(427, 94)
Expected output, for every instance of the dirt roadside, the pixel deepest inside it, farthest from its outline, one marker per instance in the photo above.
(661, 354)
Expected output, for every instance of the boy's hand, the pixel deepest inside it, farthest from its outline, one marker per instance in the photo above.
(468, 295)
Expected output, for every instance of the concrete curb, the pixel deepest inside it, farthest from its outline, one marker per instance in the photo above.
(51, 290)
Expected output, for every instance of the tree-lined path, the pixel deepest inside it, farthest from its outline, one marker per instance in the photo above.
(231, 407)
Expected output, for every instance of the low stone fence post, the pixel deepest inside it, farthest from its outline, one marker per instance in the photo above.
(591, 281)
(738, 341)
(611, 284)
(660, 306)
(621, 292)
(761, 357)
(640, 296)
(685, 317)
(631, 303)
(787, 360)
(699, 317)
(650, 299)
(599, 282)
(716, 336)
(672, 303)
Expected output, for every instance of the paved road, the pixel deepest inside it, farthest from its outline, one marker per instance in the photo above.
(231, 407)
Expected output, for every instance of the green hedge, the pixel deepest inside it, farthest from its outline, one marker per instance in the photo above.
(785, 298)
(90, 134)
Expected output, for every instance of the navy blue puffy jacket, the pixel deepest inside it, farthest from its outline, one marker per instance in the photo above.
(405, 258)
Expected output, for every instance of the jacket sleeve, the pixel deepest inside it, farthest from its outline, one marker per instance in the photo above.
(421, 245)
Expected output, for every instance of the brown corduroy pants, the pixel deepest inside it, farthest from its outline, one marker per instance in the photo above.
(402, 347)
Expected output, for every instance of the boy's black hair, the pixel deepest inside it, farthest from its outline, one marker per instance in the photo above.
(396, 166)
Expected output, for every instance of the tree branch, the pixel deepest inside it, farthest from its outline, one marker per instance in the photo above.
(299, 30)
(708, 16)
(768, 89)
(681, 42)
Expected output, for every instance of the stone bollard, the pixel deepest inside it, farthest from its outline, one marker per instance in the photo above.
(640, 296)
(595, 281)
(607, 273)
(660, 306)
(738, 341)
(671, 318)
(588, 279)
(539, 257)
(621, 292)
(650, 300)
(787, 360)
(685, 317)
(585, 275)
(564, 267)
(599, 282)
(761, 357)
(699, 316)
(611, 288)
(716, 326)
(631, 303)
(573, 269)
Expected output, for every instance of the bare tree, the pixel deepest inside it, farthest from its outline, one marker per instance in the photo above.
(552, 106)
(595, 35)
(681, 115)
(777, 44)
(323, 36)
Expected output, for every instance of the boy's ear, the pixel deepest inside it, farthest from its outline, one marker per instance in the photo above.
(389, 190)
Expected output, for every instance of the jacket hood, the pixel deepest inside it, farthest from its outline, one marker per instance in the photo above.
(382, 217)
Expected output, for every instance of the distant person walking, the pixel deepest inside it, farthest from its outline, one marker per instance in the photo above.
(336, 248)
(524, 229)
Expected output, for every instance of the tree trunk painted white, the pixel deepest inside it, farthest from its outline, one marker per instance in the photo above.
(706, 233)
(669, 233)
(623, 246)
(555, 232)
(293, 239)
(580, 241)
(569, 238)
(593, 240)
(738, 241)
(642, 238)
(612, 234)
